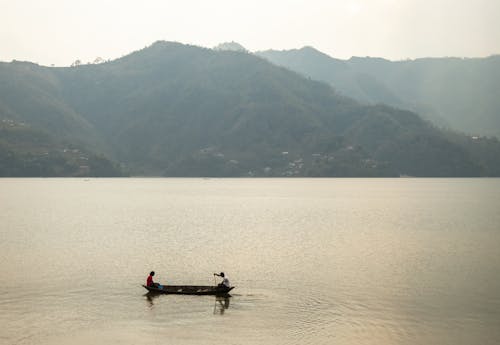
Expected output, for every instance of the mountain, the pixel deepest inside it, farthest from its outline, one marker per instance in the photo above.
(40, 133)
(462, 94)
(231, 46)
(179, 110)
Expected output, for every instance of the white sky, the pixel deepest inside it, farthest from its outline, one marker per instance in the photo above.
(61, 31)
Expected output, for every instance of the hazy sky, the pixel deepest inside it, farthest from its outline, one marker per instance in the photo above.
(61, 31)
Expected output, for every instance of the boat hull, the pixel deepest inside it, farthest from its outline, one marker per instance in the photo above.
(189, 290)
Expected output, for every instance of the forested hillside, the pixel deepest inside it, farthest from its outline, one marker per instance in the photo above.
(40, 133)
(455, 93)
(179, 110)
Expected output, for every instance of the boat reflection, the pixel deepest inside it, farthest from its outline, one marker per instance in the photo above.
(221, 304)
(150, 297)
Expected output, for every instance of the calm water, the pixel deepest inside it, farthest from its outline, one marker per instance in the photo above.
(315, 261)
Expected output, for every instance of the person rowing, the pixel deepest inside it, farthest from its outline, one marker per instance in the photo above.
(225, 281)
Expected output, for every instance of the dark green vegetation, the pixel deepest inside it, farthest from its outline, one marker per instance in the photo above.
(40, 134)
(463, 94)
(178, 110)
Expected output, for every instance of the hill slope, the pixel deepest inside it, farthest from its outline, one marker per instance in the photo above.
(179, 110)
(40, 133)
(463, 94)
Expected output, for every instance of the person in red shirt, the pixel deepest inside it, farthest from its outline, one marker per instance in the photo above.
(150, 282)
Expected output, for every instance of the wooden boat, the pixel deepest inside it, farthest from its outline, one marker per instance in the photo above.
(190, 289)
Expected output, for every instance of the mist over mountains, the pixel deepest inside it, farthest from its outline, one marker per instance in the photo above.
(455, 93)
(178, 110)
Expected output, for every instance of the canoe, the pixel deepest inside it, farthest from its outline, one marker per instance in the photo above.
(190, 289)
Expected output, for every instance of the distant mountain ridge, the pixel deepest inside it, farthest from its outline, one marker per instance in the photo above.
(179, 110)
(461, 94)
(231, 46)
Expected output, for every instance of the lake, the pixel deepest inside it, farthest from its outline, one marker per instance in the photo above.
(314, 261)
